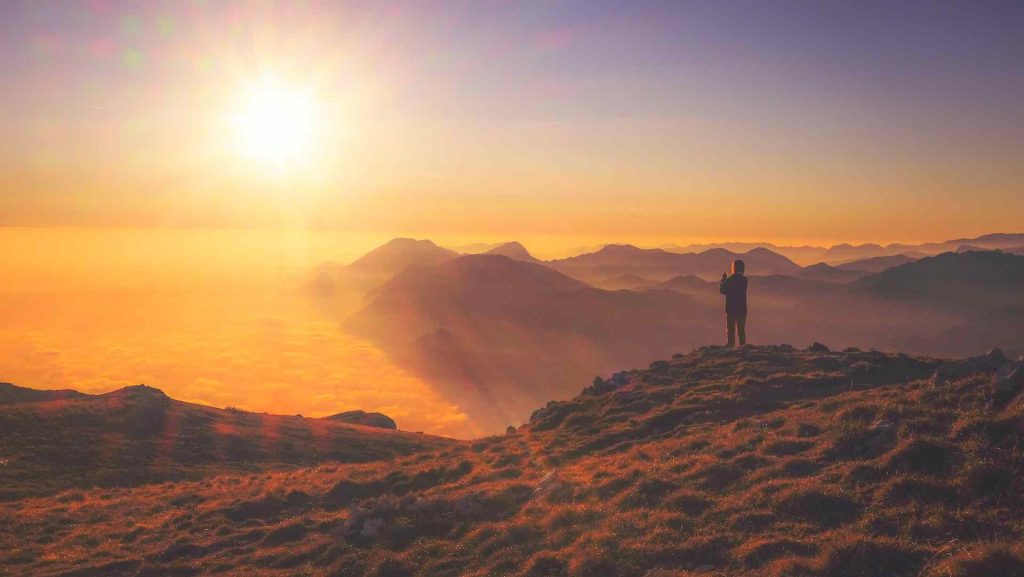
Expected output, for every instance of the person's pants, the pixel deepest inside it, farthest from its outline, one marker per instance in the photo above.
(734, 324)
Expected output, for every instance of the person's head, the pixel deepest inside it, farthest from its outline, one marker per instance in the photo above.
(738, 267)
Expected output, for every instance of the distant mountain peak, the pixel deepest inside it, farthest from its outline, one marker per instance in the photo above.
(510, 245)
(406, 241)
(398, 253)
(139, 391)
(513, 250)
(621, 249)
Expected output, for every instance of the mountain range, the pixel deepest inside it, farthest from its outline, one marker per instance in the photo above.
(499, 335)
(627, 266)
(614, 260)
(843, 253)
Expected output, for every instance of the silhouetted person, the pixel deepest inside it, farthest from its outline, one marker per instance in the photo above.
(734, 287)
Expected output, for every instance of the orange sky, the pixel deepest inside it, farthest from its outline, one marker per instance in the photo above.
(519, 120)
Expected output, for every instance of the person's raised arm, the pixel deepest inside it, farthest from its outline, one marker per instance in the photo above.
(722, 285)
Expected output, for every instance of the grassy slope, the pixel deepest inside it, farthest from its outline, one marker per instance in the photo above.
(138, 435)
(766, 461)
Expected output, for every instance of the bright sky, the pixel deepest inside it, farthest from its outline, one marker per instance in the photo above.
(784, 121)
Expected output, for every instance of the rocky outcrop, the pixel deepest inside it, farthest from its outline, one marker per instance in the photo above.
(378, 420)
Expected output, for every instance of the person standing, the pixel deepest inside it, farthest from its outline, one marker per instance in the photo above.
(734, 287)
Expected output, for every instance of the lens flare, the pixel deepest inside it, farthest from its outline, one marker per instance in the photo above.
(275, 124)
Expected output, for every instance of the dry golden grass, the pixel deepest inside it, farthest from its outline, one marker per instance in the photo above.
(763, 461)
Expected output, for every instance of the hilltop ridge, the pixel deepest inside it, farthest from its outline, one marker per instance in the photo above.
(759, 461)
(138, 435)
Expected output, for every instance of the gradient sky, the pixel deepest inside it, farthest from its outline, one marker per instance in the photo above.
(785, 121)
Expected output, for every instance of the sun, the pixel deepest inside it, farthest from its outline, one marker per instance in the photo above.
(274, 124)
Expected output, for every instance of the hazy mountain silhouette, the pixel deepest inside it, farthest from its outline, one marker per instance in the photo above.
(497, 335)
(397, 254)
(349, 283)
(500, 336)
(616, 260)
(764, 291)
(139, 435)
(688, 283)
(475, 248)
(514, 251)
(842, 253)
(827, 273)
(802, 255)
(876, 264)
(846, 252)
(627, 281)
(958, 281)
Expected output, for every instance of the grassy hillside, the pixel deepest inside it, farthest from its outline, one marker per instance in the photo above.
(10, 394)
(138, 435)
(764, 461)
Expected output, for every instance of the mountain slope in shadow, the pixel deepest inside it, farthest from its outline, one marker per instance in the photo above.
(876, 264)
(843, 253)
(968, 280)
(497, 336)
(500, 336)
(514, 251)
(823, 272)
(331, 281)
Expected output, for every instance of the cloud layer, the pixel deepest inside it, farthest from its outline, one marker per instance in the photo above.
(256, 353)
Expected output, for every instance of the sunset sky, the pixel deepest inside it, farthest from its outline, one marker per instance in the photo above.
(784, 121)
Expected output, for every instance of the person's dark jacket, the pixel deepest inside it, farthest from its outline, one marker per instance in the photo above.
(735, 290)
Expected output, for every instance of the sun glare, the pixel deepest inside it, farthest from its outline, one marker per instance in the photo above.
(274, 124)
